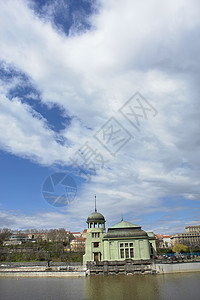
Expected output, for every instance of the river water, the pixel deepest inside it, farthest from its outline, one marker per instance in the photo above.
(138, 287)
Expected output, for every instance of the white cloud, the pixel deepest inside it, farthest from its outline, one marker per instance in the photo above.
(145, 46)
(46, 220)
(25, 133)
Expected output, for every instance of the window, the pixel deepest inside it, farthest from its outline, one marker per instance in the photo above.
(96, 244)
(122, 253)
(131, 253)
(127, 252)
(95, 235)
(151, 248)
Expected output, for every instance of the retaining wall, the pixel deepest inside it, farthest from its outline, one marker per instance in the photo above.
(176, 267)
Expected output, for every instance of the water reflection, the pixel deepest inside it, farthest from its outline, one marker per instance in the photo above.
(122, 287)
(141, 287)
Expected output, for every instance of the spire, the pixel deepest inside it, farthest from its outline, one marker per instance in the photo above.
(95, 198)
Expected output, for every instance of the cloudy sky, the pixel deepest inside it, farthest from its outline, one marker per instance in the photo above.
(99, 97)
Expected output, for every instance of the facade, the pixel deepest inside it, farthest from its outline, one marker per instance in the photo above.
(122, 241)
(84, 233)
(190, 238)
(164, 241)
(193, 228)
(77, 244)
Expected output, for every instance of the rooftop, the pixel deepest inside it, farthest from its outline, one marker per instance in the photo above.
(125, 229)
(124, 224)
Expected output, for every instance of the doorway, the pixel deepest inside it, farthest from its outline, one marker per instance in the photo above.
(96, 256)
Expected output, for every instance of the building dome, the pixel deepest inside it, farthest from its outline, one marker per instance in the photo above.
(95, 216)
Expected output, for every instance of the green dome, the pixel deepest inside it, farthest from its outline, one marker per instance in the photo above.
(95, 216)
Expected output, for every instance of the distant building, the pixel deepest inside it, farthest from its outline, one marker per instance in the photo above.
(195, 228)
(84, 233)
(164, 241)
(17, 237)
(123, 240)
(76, 234)
(12, 243)
(189, 238)
(43, 236)
(78, 244)
(50, 236)
(16, 240)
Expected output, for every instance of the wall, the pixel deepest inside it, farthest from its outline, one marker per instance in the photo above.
(177, 267)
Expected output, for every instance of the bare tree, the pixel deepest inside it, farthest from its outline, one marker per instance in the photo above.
(5, 233)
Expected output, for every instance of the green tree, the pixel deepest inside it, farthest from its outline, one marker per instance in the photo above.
(180, 248)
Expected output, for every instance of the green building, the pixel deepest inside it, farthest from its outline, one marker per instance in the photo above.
(122, 241)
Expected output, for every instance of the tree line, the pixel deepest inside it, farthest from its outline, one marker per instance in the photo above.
(55, 247)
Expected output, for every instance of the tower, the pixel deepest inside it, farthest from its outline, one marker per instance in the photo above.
(95, 232)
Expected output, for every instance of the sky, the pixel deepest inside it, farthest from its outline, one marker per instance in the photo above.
(99, 98)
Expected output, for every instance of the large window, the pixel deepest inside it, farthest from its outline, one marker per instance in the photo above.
(126, 250)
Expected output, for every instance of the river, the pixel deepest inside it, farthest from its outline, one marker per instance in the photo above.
(182, 286)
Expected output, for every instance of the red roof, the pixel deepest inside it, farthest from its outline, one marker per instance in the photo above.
(80, 239)
(84, 231)
(163, 236)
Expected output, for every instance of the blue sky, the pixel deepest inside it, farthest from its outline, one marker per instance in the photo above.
(106, 93)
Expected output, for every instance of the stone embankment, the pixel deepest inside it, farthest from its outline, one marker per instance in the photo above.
(40, 270)
(131, 267)
(177, 267)
(127, 267)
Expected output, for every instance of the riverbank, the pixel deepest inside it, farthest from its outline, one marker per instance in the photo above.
(42, 274)
(180, 267)
(41, 269)
(127, 268)
(132, 267)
